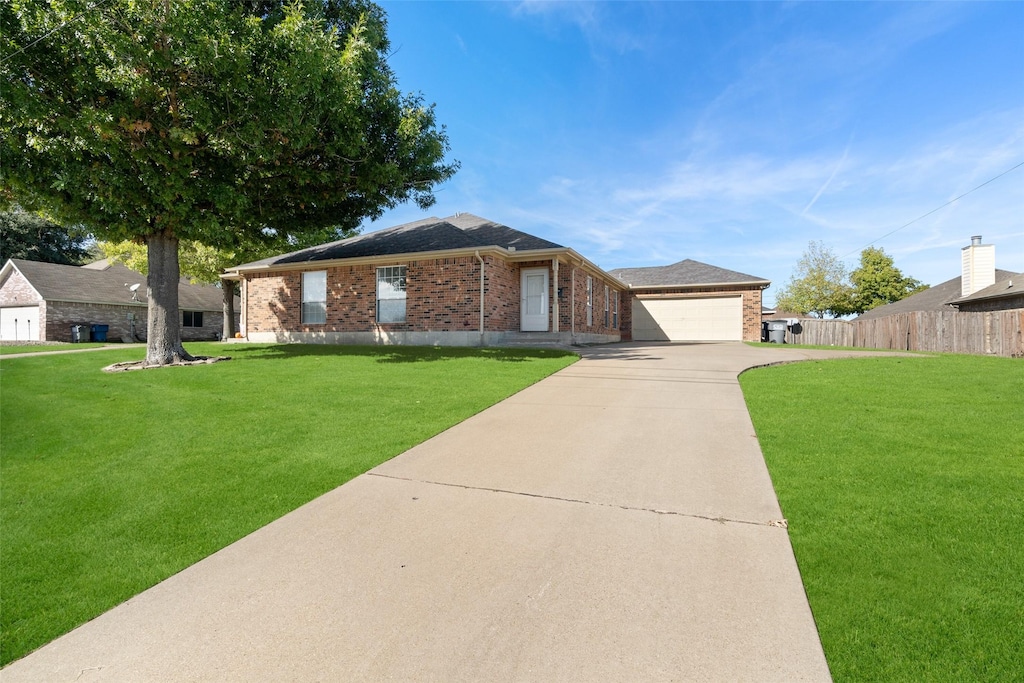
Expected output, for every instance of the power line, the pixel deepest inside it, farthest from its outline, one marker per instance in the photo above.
(955, 199)
(51, 32)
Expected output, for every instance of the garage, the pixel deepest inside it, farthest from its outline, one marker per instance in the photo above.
(718, 318)
(19, 323)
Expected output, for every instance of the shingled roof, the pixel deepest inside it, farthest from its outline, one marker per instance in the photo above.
(686, 273)
(1012, 285)
(461, 231)
(106, 285)
(935, 298)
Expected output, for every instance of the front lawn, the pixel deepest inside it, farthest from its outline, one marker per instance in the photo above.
(903, 483)
(9, 349)
(113, 482)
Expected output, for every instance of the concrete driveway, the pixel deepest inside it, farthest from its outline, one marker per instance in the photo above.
(614, 522)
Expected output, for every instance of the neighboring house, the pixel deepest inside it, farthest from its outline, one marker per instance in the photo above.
(1006, 294)
(457, 281)
(43, 301)
(693, 301)
(977, 272)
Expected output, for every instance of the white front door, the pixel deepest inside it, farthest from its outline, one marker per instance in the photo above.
(534, 300)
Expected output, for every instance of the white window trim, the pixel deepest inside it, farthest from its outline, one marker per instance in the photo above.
(590, 301)
(606, 305)
(396, 295)
(615, 311)
(306, 292)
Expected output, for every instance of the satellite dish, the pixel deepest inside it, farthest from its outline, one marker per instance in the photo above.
(135, 288)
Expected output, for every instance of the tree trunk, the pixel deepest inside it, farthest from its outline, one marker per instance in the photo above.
(163, 342)
(228, 289)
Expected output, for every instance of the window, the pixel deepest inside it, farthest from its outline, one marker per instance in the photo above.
(191, 318)
(314, 297)
(391, 294)
(615, 310)
(606, 302)
(590, 301)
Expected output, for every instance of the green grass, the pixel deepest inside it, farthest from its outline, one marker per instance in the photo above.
(110, 483)
(7, 349)
(824, 347)
(903, 483)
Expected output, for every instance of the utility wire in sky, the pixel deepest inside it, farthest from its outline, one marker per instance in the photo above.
(51, 32)
(955, 199)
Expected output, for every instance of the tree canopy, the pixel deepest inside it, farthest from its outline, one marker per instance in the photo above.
(226, 124)
(818, 285)
(28, 236)
(877, 281)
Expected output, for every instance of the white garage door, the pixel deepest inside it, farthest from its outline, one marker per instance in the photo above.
(20, 323)
(700, 319)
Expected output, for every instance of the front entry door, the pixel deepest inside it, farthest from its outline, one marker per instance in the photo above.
(534, 300)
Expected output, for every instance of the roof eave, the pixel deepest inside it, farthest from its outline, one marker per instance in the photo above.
(760, 283)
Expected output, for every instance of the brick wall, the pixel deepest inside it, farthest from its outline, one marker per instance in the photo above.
(442, 296)
(1004, 304)
(16, 291)
(60, 316)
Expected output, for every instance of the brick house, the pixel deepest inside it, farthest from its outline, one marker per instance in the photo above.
(458, 281)
(42, 301)
(693, 301)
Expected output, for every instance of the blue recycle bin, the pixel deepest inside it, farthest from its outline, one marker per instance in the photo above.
(99, 332)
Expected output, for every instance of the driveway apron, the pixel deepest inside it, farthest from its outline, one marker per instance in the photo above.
(613, 522)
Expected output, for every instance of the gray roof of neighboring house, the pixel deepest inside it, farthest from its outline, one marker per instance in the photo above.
(106, 285)
(935, 298)
(686, 273)
(461, 231)
(1003, 288)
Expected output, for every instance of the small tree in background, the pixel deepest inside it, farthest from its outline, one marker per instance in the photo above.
(819, 285)
(877, 281)
(31, 237)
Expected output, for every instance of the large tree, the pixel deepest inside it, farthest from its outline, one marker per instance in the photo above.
(217, 122)
(818, 285)
(877, 281)
(28, 236)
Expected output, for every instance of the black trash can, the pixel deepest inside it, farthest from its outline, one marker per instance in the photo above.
(764, 331)
(79, 333)
(99, 332)
(776, 331)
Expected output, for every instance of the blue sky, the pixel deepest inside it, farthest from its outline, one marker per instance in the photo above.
(732, 133)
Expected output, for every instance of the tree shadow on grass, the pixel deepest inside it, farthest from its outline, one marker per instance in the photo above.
(394, 354)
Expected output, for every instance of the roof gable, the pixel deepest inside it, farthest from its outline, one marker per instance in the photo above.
(686, 273)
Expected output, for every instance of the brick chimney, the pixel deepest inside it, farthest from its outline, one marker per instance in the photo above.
(978, 266)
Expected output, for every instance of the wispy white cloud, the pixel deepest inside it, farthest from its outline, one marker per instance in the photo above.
(594, 20)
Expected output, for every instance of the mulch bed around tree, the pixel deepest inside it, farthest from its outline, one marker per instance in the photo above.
(141, 364)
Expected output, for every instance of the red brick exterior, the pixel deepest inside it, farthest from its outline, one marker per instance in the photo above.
(751, 303)
(443, 295)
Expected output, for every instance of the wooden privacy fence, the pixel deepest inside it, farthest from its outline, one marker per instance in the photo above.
(998, 333)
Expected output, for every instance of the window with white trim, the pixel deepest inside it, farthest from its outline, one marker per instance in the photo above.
(615, 310)
(590, 301)
(391, 294)
(314, 297)
(606, 305)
